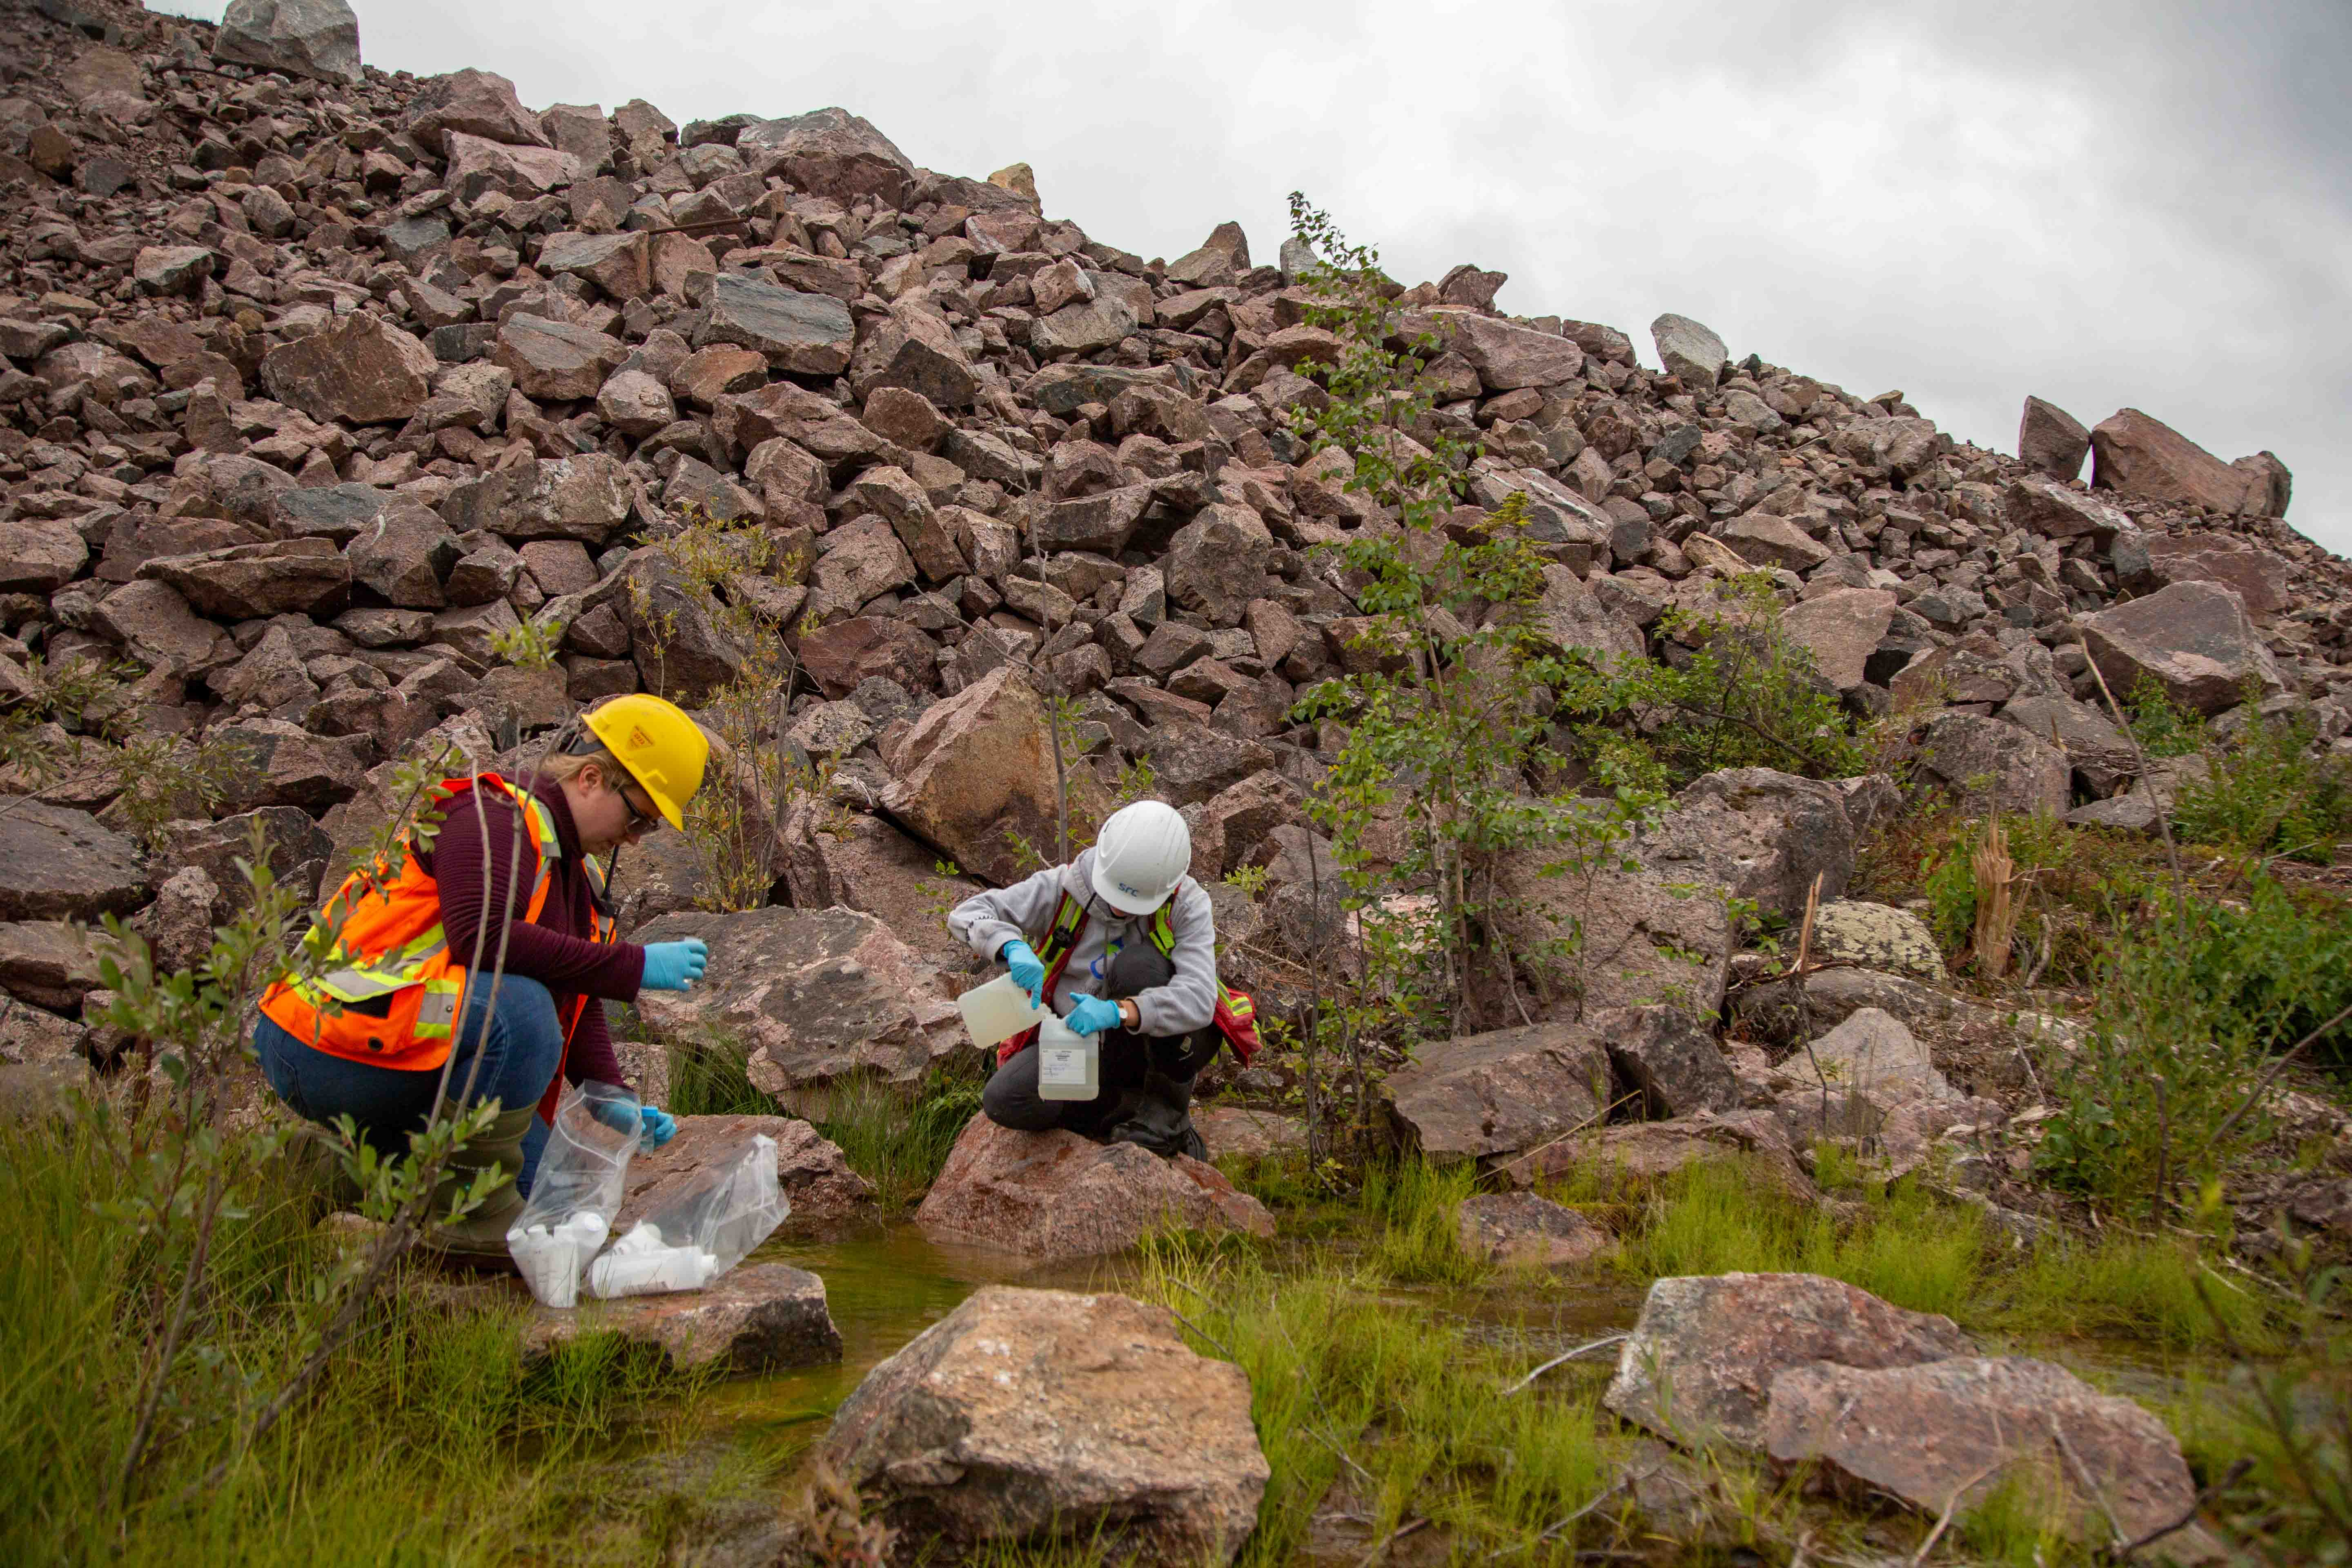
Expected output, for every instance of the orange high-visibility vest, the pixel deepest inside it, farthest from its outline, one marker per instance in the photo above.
(393, 992)
(1236, 1016)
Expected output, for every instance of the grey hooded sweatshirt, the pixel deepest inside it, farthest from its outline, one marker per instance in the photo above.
(989, 920)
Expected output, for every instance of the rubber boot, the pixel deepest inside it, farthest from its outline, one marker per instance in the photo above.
(481, 1236)
(1162, 1120)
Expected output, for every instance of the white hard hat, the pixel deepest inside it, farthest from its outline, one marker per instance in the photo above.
(1142, 852)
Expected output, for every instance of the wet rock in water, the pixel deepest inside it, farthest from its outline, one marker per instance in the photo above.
(809, 999)
(823, 1191)
(59, 864)
(1962, 1427)
(1700, 1362)
(757, 1317)
(1059, 1195)
(1522, 1229)
(1877, 936)
(1483, 1096)
(1043, 1417)
(1668, 1059)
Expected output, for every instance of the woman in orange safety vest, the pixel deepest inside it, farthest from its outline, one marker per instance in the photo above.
(370, 1036)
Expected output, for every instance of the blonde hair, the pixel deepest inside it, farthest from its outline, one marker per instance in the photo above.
(565, 766)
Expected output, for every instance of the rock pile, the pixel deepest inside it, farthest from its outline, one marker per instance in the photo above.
(318, 380)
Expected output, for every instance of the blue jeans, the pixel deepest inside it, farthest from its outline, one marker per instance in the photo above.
(519, 1046)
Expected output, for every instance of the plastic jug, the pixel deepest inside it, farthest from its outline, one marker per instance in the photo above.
(997, 1011)
(1069, 1064)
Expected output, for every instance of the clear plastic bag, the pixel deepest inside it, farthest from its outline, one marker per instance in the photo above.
(576, 1192)
(715, 1221)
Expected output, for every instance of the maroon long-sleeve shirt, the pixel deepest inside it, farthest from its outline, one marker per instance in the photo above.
(477, 872)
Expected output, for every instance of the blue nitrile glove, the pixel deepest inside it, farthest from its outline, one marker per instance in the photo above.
(1028, 971)
(1092, 1016)
(675, 965)
(655, 1126)
(622, 1116)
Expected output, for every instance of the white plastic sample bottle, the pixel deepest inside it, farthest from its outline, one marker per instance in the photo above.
(1069, 1064)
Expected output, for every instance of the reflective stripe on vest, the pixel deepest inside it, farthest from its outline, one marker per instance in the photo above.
(399, 1008)
(1236, 1017)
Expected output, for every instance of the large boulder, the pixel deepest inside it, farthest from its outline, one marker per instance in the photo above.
(1699, 1365)
(584, 497)
(1878, 936)
(362, 371)
(1507, 356)
(239, 582)
(2055, 511)
(2051, 441)
(476, 103)
(757, 1317)
(556, 362)
(1843, 628)
(809, 1000)
(1659, 933)
(801, 334)
(314, 38)
(2097, 752)
(913, 349)
(59, 864)
(2194, 639)
(1667, 1059)
(1870, 1053)
(1990, 766)
(1041, 1418)
(1943, 1435)
(831, 153)
(2136, 455)
(1483, 1097)
(863, 863)
(1690, 352)
(815, 1176)
(975, 771)
(1059, 1195)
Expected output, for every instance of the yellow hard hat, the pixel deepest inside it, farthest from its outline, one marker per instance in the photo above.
(662, 748)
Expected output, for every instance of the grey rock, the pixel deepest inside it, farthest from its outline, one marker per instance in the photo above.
(314, 38)
(1992, 766)
(1879, 937)
(1690, 352)
(59, 864)
(1668, 1059)
(2194, 639)
(1480, 1097)
(802, 334)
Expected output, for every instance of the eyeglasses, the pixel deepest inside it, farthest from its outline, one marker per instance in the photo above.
(639, 821)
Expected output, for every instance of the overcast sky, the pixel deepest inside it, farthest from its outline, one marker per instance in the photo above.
(2142, 204)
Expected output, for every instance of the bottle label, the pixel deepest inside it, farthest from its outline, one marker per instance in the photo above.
(1062, 1066)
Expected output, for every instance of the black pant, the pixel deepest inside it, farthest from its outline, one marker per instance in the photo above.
(1128, 1060)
